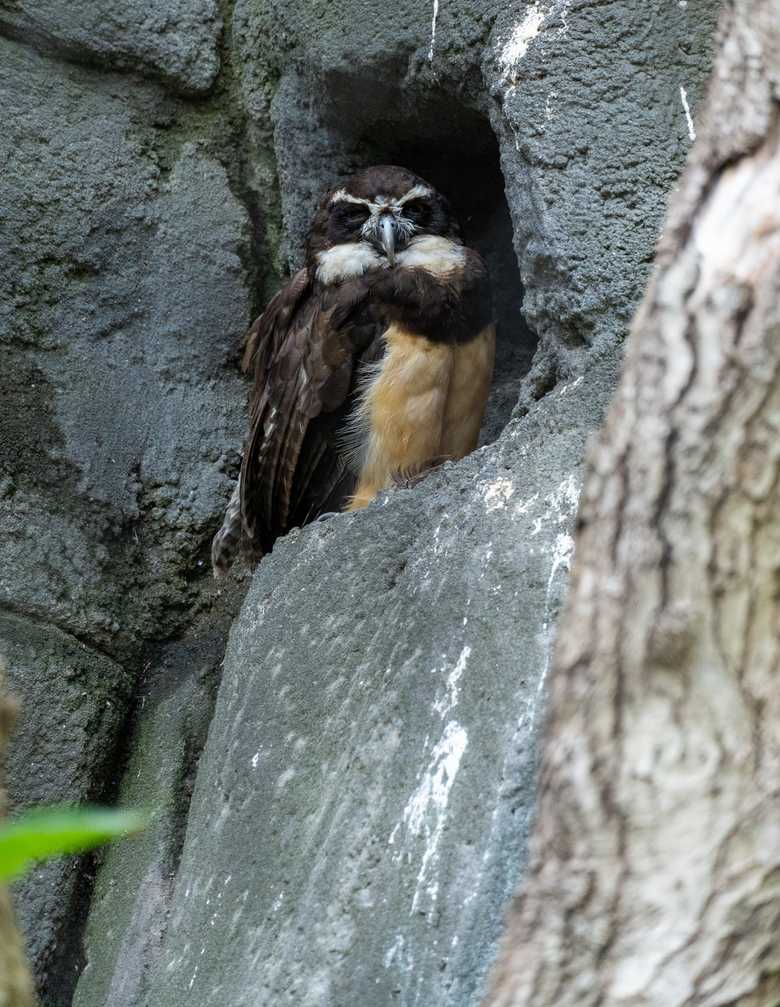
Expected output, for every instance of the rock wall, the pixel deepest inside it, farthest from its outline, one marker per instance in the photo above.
(357, 818)
(125, 283)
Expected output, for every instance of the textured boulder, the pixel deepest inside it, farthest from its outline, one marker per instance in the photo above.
(591, 105)
(122, 293)
(136, 878)
(361, 805)
(175, 40)
(361, 808)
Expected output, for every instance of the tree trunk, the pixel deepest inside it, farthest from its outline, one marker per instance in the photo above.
(655, 859)
(16, 988)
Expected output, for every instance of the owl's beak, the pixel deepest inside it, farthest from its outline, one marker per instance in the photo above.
(387, 236)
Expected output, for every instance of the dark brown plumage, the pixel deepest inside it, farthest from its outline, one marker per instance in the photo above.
(374, 359)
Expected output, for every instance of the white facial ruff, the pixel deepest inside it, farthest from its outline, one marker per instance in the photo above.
(343, 262)
(431, 252)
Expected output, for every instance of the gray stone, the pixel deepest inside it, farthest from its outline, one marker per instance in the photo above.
(362, 804)
(132, 893)
(176, 40)
(588, 107)
(72, 708)
(123, 293)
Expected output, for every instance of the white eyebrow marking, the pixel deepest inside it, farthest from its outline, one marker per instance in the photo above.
(342, 196)
(416, 192)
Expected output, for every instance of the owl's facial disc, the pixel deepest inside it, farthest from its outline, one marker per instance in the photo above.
(387, 223)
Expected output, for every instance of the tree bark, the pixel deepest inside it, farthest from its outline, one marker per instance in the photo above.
(16, 988)
(655, 859)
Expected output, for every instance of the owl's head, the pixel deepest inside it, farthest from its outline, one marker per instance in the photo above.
(368, 220)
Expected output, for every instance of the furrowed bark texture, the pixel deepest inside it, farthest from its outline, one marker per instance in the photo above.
(16, 989)
(655, 875)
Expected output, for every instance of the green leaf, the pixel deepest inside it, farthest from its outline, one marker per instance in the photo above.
(49, 832)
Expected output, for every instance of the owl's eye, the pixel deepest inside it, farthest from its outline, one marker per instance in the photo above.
(352, 214)
(416, 210)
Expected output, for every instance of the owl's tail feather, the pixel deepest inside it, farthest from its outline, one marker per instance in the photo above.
(225, 544)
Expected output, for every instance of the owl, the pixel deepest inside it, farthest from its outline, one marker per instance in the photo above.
(371, 365)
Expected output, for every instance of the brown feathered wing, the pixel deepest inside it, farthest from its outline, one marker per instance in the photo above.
(303, 353)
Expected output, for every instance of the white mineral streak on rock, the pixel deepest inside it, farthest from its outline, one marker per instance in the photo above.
(687, 110)
(559, 505)
(397, 955)
(426, 810)
(563, 550)
(558, 508)
(570, 388)
(433, 29)
(497, 492)
(443, 704)
(563, 10)
(525, 505)
(563, 504)
(284, 778)
(525, 31)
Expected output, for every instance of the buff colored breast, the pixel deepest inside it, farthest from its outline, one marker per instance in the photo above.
(425, 405)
